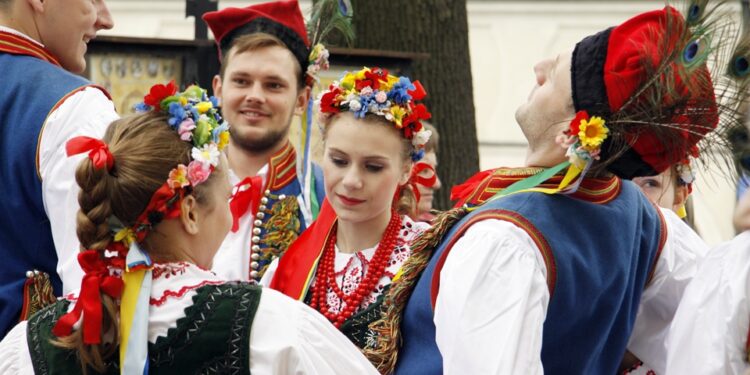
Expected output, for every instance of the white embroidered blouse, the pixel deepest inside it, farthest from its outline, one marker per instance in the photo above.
(287, 337)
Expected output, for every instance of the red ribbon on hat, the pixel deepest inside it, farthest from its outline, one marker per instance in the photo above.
(415, 178)
(96, 281)
(98, 151)
(245, 199)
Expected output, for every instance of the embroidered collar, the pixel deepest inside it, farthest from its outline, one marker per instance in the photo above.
(15, 43)
(175, 279)
(594, 190)
(282, 167)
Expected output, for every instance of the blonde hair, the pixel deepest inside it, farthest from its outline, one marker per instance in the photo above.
(145, 149)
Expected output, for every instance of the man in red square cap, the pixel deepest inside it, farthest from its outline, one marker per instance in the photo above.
(262, 85)
(45, 103)
(551, 268)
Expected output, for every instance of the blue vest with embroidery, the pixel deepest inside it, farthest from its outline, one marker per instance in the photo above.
(599, 258)
(277, 232)
(31, 89)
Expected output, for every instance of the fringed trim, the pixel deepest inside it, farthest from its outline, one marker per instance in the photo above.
(37, 293)
(387, 329)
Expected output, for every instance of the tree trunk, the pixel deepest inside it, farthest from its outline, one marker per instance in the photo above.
(439, 28)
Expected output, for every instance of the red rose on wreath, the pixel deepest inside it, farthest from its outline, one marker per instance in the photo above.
(158, 92)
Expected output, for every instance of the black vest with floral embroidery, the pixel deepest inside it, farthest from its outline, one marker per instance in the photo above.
(212, 338)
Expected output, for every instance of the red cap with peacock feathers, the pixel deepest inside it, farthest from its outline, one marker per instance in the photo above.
(649, 80)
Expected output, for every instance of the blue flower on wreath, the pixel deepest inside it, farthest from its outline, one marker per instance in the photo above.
(399, 94)
(142, 107)
(217, 132)
(176, 114)
(417, 155)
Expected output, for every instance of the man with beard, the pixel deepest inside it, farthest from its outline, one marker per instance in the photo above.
(262, 85)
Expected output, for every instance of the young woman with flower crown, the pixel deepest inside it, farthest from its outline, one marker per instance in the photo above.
(344, 263)
(154, 210)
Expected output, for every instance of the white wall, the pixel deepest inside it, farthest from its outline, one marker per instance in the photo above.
(506, 39)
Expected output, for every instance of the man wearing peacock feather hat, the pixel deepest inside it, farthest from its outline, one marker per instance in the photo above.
(552, 267)
(267, 70)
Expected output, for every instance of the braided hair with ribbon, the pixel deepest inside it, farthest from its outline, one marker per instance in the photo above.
(132, 179)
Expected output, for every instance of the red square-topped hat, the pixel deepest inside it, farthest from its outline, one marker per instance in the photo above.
(648, 78)
(282, 19)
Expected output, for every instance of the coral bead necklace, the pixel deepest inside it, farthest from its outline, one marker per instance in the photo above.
(326, 277)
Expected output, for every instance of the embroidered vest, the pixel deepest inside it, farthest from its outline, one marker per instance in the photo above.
(212, 338)
(280, 219)
(357, 327)
(32, 88)
(597, 268)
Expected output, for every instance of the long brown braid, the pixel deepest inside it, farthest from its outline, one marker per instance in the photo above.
(145, 149)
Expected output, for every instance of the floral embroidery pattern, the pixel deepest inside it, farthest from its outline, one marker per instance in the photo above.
(350, 275)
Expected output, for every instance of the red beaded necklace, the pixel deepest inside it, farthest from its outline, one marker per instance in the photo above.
(326, 278)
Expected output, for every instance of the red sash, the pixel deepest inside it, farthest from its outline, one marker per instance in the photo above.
(297, 266)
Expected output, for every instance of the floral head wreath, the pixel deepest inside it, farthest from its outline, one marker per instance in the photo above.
(195, 117)
(377, 92)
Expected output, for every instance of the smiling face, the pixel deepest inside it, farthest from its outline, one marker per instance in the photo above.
(363, 164)
(66, 26)
(259, 94)
(549, 107)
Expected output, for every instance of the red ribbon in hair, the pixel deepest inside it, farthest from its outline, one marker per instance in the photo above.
(415, 178)
(98, 151)
(247, 199)
(97, 280)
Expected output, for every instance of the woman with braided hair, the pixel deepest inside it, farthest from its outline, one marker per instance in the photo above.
(154, 210)
(344, 263)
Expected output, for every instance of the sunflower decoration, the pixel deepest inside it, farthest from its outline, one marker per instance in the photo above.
(584, 138)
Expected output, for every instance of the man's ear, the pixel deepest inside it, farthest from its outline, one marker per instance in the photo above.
(302, 98)
(216, 85)
(36, 5)
(189, 214)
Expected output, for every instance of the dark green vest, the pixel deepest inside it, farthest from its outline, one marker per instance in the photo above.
(357, 327)
(212, 338)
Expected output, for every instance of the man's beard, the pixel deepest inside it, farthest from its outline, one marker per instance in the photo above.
(259, 145)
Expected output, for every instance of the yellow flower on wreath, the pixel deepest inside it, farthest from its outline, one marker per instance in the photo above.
(223, 140)
(398, 114)
(592, 132)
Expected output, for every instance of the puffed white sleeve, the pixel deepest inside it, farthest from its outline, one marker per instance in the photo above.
(677, 265)
(288, 337)
(14, 352)
(477, 332)
(709, 333)
(85, 113)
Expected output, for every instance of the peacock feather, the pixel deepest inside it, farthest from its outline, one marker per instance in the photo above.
(330, 15)
(705, 51)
